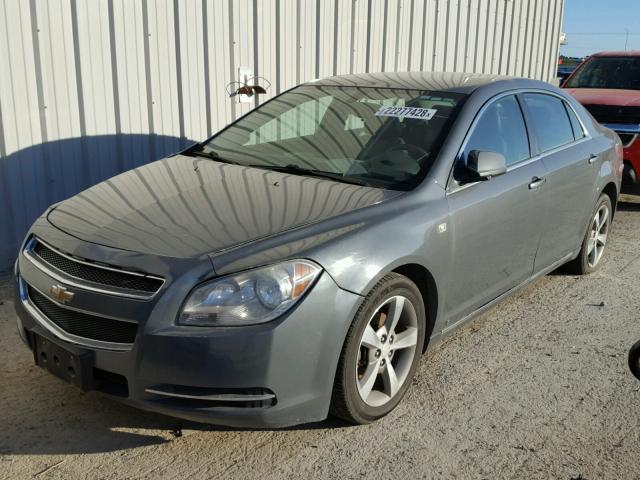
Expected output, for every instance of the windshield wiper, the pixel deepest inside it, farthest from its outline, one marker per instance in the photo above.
(295, 169)
(199, 151)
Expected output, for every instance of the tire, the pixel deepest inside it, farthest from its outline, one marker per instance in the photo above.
(365, 357)
(586, 263)
(634, 360)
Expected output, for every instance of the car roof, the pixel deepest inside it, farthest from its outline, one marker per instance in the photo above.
(620, 53)
(459, 82)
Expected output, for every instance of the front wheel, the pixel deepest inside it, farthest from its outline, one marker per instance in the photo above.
(595, 239)
(381, 351)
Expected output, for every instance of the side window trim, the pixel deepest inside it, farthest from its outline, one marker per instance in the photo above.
(585, 130)
(534, 148)
(573, 114)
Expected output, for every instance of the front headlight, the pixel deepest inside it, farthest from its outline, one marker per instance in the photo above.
(251, 297)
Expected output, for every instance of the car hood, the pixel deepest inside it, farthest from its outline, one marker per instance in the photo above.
(605, 96)
(184, 206)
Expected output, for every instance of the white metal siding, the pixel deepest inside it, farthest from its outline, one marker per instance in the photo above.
(90, 89)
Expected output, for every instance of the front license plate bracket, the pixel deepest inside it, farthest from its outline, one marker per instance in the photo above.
(71, 364)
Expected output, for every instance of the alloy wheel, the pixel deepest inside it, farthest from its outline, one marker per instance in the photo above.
(598, 236)
(386, 352)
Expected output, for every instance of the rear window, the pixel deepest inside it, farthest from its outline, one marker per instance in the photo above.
(551, 123)
(607, 72)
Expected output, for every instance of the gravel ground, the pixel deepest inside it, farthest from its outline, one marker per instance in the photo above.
(536, 388)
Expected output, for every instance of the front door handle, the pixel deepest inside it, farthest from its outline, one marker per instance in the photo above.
(592, 158)
(536, 182)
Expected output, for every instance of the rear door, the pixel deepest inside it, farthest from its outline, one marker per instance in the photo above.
(572, 169)
(494, 224)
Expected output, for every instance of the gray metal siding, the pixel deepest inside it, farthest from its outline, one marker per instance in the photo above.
(91, 89)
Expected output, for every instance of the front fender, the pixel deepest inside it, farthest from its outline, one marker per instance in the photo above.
(358, 249)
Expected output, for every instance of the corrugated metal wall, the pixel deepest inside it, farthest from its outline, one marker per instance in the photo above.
(91, 88)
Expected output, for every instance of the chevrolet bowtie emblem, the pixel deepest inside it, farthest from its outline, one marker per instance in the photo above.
(61, 294)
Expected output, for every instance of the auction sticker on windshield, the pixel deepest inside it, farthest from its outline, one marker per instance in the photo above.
(406, 112)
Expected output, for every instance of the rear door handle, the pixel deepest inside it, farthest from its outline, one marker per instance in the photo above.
(536, 182)
(592, 158)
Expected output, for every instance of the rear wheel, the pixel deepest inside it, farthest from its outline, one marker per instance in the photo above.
(595, 239)
(381, 351)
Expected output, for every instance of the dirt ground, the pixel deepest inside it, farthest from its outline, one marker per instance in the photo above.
(536, 388)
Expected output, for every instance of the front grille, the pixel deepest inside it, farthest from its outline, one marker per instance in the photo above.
(613, 114)
(96, 274)
(83, 324)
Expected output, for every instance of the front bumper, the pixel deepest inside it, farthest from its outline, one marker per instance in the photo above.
(272, 375)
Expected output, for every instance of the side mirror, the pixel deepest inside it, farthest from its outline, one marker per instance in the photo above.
(486, 164)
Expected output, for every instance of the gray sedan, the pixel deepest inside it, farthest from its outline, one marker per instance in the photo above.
(300, 261)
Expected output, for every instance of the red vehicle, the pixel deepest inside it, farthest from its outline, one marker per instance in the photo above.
(608, 85)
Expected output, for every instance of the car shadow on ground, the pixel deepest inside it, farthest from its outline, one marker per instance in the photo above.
(628, 206)
(78, 423)
(629, 198)
(42, 415)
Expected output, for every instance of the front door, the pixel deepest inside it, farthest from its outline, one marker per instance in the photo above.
(495, 224)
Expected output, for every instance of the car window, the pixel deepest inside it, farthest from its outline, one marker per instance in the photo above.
(501, 129)
(578, 131)
(550, 120)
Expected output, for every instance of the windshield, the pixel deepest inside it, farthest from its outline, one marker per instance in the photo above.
(348, 132)
(622, 73)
